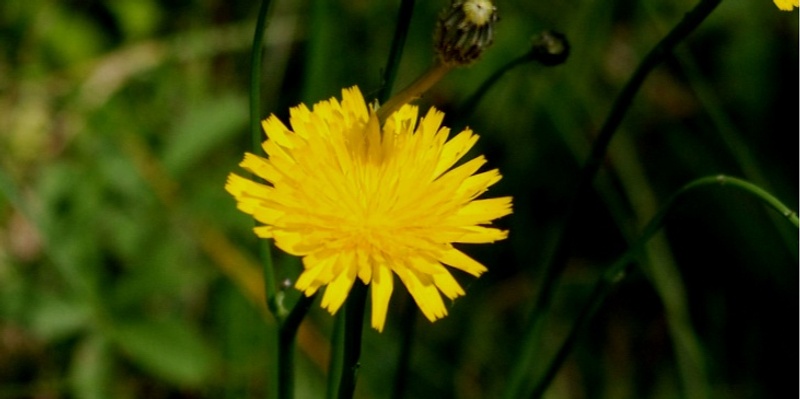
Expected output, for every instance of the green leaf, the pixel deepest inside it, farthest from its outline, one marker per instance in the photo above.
(169, 349)
(137, 18)
(57, 317)
(203, 128)
(70, 36)
(91, 369)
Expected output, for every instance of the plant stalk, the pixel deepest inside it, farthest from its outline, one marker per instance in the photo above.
(353, 329)
(557, 259)
(623, 267)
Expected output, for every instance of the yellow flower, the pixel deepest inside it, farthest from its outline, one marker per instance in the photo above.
(358, 202)
(786, 5)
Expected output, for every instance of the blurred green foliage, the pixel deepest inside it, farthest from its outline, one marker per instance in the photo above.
(126, 271)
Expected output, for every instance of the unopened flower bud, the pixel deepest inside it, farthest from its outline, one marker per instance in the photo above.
(464, 30)
(550, 48)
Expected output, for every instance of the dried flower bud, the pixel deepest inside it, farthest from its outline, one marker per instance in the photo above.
(550, 48)
(464, 30)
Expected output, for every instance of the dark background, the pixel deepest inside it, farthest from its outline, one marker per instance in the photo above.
(127, 272)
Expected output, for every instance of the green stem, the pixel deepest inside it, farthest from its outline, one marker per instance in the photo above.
(396, 51)
(469, 105)
(557, 259)
(255, 77)
(414, 90)
(265, 251)
(255, 136)
(337, 356)
(346, 348)
(286, 336)
(623, 267)
(401, 375)
(390, 73)
(353, 328)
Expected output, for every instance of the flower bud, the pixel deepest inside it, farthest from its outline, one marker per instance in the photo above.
(549, 48)
(464, 30)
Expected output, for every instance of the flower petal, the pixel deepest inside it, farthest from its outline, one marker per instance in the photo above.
(461, 261)
(357, 200)
(424, 293)
(337, 290)
(448, 285)
(454, 149)
(381, 287)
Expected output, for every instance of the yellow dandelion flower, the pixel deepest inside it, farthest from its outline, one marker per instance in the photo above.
(787, 5)
(357, 202)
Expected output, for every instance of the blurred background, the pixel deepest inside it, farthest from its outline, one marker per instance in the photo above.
(127, 272)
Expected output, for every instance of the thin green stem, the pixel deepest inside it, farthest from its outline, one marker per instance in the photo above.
(265, 250)
(469, 105)
(256, 53)
(390, 73)
(615, 274)
(750, 188)
(557, 259)
(401, 375)
(337, 356)
(346, 348)
(255, 136)
(415, 89)
(623, 266)
(396, 50)
(353, 329)
(286, 337)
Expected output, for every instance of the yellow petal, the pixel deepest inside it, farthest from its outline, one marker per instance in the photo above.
(482, 211)
(477, 184)
(359, 201)
(337, 290)
(454, 149)
(480, 235)
(264, 231)
(425, 295)
(786, 5)
(381, 287)
(261, 168)
(461, 261)
(277, 131)
(448, 285)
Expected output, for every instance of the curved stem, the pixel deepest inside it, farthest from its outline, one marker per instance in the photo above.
(469, 105)
(557, 259)
(621, 105)
(763, 195)
(623, 267)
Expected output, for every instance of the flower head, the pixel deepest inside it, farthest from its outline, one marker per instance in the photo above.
(787, 5)
(357, 201)
(464, 31)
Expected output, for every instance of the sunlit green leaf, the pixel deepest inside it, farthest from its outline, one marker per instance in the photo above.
(91, 369)
(169, 349)
(56, 317)
(203, 128)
